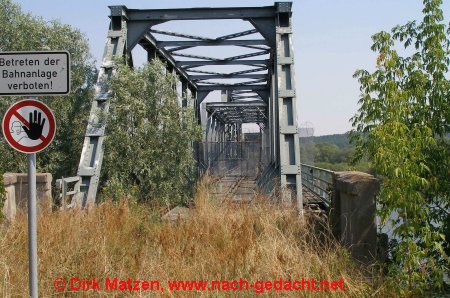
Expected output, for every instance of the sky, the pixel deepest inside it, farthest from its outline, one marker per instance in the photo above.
(332, 39)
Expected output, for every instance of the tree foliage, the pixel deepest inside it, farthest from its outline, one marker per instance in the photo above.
(21, 31)
(148, 145)
(402, 126)
(340, 140)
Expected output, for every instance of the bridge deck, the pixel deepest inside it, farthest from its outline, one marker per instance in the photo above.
(245, 189)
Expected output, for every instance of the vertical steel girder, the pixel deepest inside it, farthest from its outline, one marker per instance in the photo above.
(286, 107)
(130, 27)
(92, 154)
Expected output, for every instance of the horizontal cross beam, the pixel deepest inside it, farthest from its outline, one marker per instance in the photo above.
(223, 62)
(232, 87)
(236, 84)
(241, 92)
(236, 97)
(206, 43)
(228, 76)
(228, 105)
(203, 13)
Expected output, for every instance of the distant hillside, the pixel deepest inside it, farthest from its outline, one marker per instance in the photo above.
(330, 152)
(340, 140)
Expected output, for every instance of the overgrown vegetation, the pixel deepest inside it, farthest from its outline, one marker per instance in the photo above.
(148, 149)
(217, 242)
(401, 127)
(23, 32)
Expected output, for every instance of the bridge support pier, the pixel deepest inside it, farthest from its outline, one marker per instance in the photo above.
(353, 211)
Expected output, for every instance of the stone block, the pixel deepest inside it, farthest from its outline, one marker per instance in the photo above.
(16, 187)
(177, 213)
(353, 214)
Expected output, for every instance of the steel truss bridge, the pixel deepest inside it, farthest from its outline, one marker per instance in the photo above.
(257, 86)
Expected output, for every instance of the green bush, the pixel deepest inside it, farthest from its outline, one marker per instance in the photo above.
(402, 127)
(147, 147)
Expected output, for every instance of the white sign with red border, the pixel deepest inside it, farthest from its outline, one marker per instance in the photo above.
(29, 126)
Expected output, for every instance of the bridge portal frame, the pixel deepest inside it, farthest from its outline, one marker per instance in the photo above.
(276, 88)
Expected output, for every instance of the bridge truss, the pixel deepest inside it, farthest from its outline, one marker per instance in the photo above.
(261, 88)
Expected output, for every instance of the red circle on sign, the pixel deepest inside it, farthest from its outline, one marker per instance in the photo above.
(12, 111)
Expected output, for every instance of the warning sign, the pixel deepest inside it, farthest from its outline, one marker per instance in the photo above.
(29, 126)
(34, 73)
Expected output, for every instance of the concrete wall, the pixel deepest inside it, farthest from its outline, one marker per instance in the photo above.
(16, 187)
(353, 214)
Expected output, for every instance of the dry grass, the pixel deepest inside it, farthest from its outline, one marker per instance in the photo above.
(218, 242)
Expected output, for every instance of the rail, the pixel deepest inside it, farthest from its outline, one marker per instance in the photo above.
(319, 181)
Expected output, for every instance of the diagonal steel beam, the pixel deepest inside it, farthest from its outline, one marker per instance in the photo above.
(195, 56)
(207, 72)
(222, 62)
(252, 82)
(249, 70)
(170, 33)
(239, 34)
(257, 47)
(171, 50)
(225, 37)
(204, 43)
(247, 55)
(209, 83)
(232, 58)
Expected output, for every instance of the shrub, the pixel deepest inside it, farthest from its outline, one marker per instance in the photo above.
(149, 135)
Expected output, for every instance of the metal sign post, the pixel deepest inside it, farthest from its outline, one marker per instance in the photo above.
(32, 228)
(29, 125)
